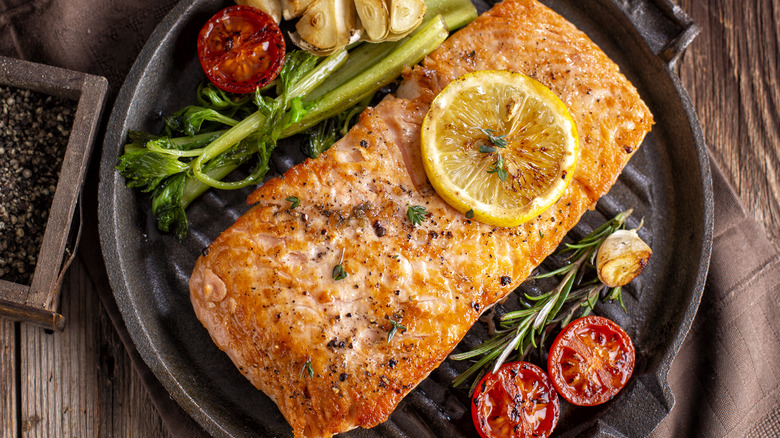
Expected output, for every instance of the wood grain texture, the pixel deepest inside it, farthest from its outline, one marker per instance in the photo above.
(731, 74)
(80, 382)
(59, 379)
(8, 373)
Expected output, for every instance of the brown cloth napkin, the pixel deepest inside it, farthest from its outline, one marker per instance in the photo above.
(726, 378)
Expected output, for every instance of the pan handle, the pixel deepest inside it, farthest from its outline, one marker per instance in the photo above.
(667, 29)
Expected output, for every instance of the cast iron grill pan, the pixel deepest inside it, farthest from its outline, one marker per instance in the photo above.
(667, 183)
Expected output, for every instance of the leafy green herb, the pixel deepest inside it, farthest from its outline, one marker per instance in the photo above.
(470, 214)
(524, 329)
(308, 369)
(295, 201)
(497, 140)
(394, 328)
(499, 168)
(485, 149)
(208, 95)
(417, 214)
(325, 134)
(541, 235)
(190, 119)
(338, 272)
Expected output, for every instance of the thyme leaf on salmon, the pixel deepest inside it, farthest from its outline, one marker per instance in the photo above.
(294, 201)
(307, 369)
(522, 330)
(417, 214)
(339, 273)
(395, 326)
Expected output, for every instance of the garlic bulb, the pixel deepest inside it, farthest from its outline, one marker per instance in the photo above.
(622, 257)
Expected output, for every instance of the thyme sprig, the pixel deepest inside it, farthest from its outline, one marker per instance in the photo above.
(395, 326)
(417, 214)
(499, 168)
(294, 200)
(520, 331)
(307, 369)
(495, 142)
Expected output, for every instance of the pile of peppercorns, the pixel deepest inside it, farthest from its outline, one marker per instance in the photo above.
(34, 130)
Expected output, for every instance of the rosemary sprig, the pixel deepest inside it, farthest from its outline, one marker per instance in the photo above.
(521, 330)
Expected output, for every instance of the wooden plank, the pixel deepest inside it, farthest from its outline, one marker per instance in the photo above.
(59, 379)
(122, 392)
(8, 374)
(80, 382)
(731, 74)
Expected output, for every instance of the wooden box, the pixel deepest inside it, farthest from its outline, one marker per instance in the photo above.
(38, 303)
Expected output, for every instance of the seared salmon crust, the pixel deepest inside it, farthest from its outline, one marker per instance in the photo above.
(337, 353)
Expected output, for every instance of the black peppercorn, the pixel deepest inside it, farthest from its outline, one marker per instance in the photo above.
(34, 130)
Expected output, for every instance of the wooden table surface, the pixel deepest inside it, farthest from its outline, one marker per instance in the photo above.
(80, 382)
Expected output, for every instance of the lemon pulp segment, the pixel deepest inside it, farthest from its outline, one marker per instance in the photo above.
(500, 144)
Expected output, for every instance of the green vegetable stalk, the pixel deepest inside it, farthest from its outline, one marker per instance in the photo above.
(202, 144)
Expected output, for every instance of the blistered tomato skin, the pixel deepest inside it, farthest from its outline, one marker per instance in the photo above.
(517, 401)
(240, 49)
(591, 360)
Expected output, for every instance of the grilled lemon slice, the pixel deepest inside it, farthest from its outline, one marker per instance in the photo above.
(500, 146)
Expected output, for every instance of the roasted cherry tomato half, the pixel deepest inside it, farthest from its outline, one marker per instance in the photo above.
(241, 48)
(517, 401)
(591, 360)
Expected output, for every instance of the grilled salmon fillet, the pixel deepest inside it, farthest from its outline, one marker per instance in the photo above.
(335, 354)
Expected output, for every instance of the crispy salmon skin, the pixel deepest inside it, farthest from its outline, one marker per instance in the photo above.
(338, 353)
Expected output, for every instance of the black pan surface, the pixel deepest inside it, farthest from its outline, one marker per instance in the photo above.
(667, 183)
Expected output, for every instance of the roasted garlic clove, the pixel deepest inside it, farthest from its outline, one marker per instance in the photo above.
(294, 8)
(405, 15)
(318, 27)
(327, 26)
(270, 7)
(621, 258)
(375, 18)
